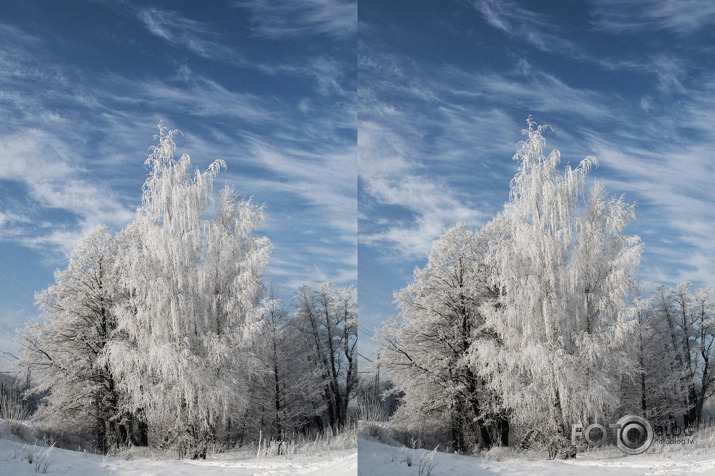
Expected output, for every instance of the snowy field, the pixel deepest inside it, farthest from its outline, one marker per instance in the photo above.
(18, 458)
(377, 458)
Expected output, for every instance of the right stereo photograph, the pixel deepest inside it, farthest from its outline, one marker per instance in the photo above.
(535, 251)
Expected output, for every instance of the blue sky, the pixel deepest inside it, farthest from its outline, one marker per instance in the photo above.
(272, 88)
(444, 92)
(268, 86)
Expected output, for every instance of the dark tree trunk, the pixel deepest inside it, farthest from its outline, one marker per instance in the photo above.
(690, 417)
(503, 427)
(486, 438)
(704, 386)
(102, 445)
(331, 406)
(143, 427)
(319, 423)
(138, 433)
(457, 434)
(277, 387)
(124, 430)
(643, 395)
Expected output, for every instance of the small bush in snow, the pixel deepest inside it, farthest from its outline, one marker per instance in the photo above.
(426, 465)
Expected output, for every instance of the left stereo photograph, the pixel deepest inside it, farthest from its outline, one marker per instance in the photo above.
(178, 237)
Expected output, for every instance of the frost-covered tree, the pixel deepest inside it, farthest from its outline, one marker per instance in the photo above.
(327, 321)
(704, 348)
(656, 392)
(426, 350)
(289, 398)
(274, 346)
(563, 274)
(64, 347)
(338, 310)
(192, 278)
(675, 341)
(668, 390)
(686, 340)
(685, 323)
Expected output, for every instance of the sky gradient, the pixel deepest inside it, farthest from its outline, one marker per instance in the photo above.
(445, 90)
(268, 86)
(366, 128)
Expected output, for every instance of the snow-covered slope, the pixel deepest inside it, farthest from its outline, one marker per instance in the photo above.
(380, 459)
(18, 458)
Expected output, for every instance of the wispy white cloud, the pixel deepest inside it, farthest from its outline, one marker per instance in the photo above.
(534, 28)
(672, 188)
(430, 140)
(437, 132)
(658, 156)
(77, 145)
(682, 17)
(10, 217)
(197, 96)
(390, 177)
(295, 273)
(325, 178)
(452, 86)
(43, 151)
(669, 72)
(45, 165)
(660, 159)
(546, 34)
(307, 17)
(291, 18)
(192, 35)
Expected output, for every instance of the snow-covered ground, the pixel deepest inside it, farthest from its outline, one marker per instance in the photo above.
(377, 458)
(18, 458)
